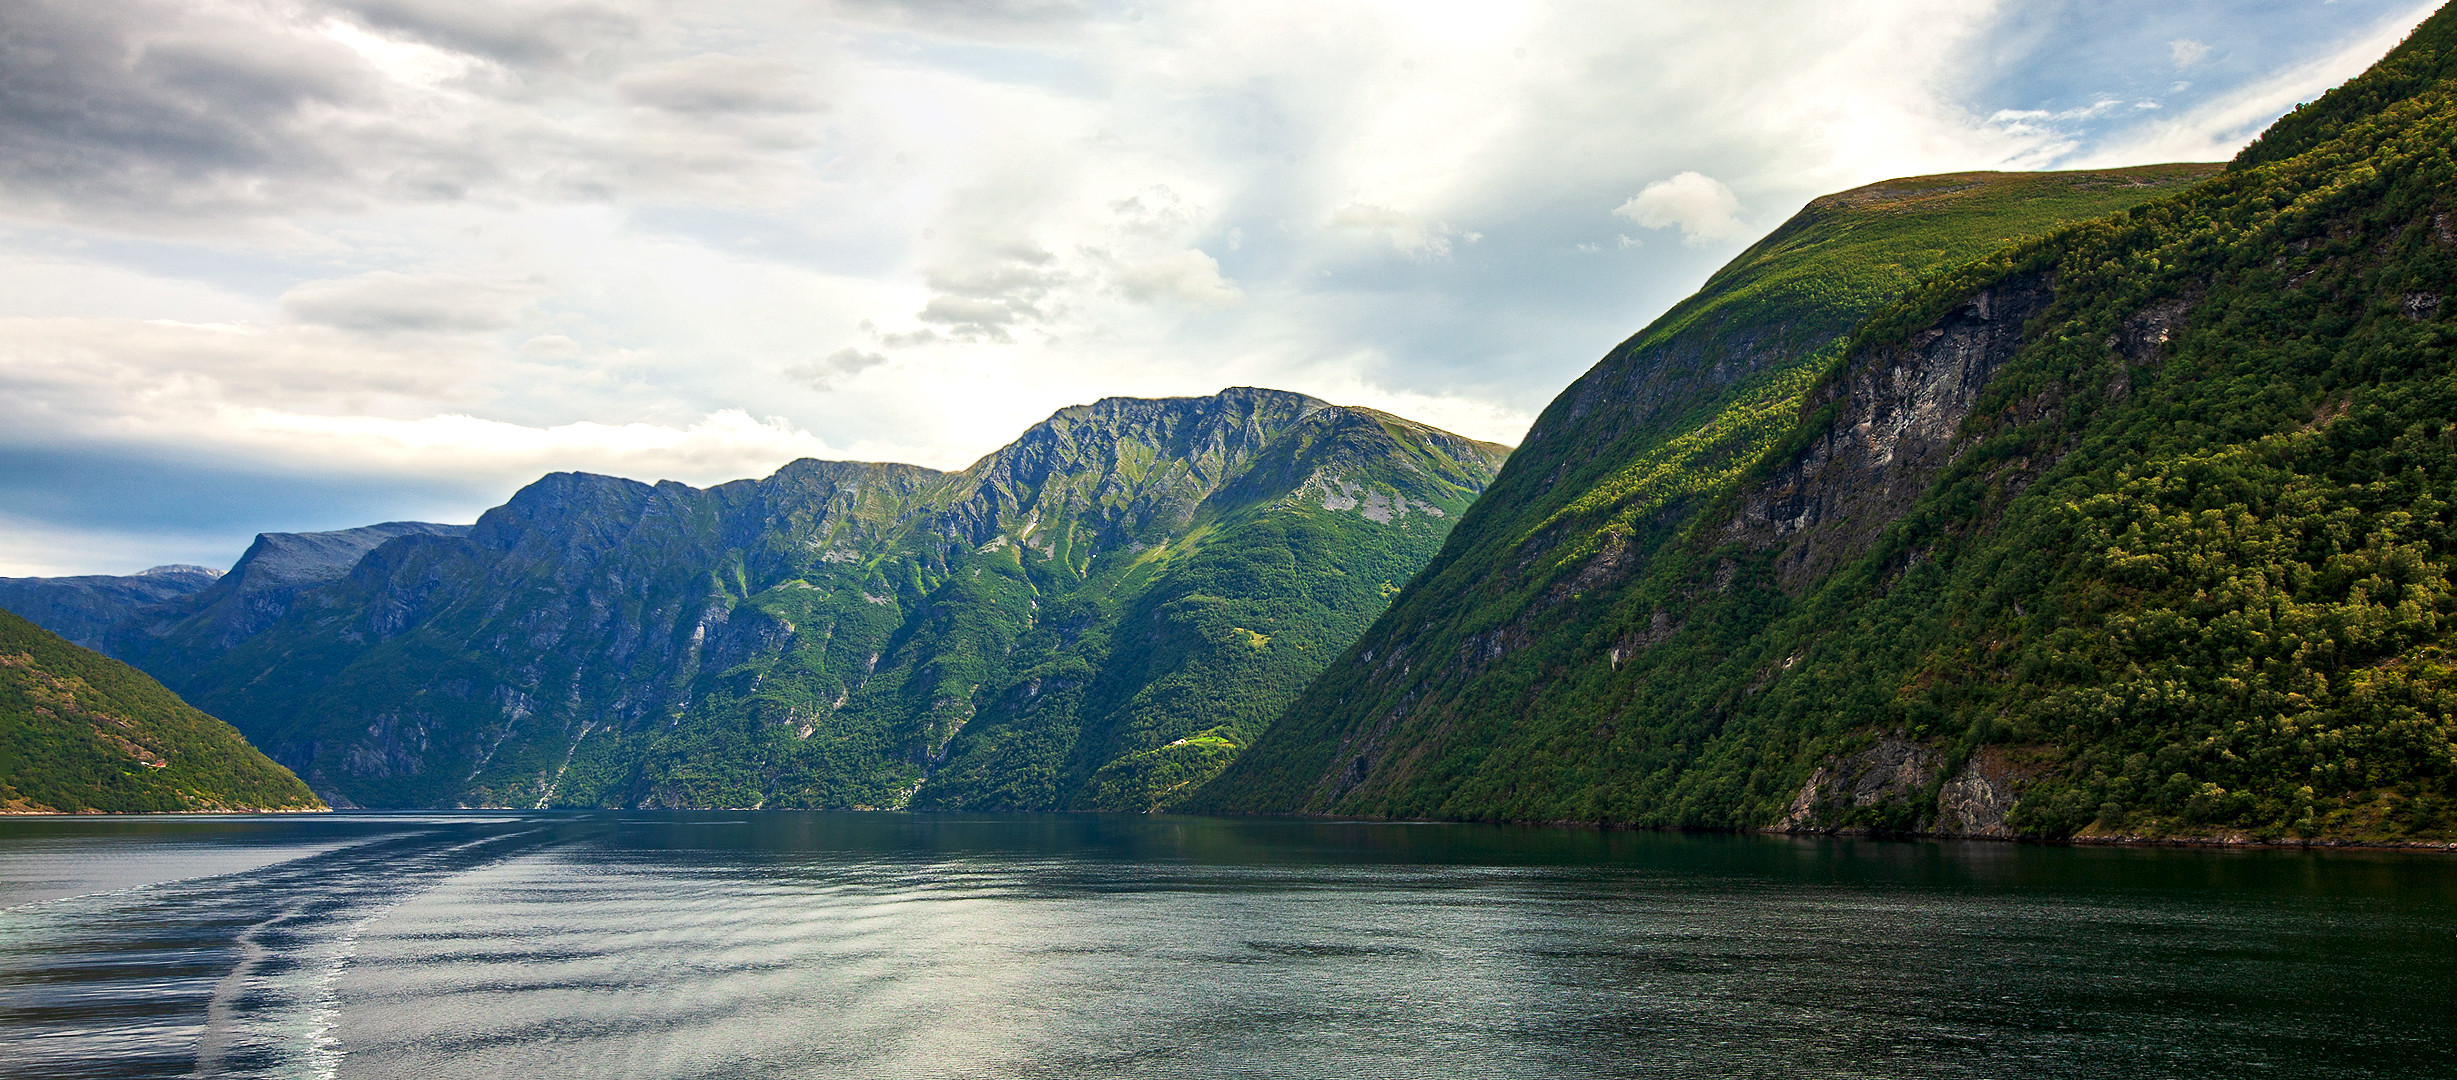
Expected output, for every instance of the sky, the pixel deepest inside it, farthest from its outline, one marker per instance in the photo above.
(282, 265)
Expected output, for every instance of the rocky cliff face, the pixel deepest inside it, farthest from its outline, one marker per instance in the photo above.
(1129, 579)
(2136, 528)
(1896, 416)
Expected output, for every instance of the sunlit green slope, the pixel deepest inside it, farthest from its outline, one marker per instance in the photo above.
(1099, 615)
(2139, 528)
(81, 732)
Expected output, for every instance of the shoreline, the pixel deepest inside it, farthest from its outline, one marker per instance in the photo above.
(225, 812)
(2235, 842)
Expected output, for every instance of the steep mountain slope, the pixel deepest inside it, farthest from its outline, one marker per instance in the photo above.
(1665, 420)
(88, 608)
(2136, 529)
(259, 588)
(81, 732)
(1097, 615)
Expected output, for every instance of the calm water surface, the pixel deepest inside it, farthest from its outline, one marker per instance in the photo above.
(890, 945)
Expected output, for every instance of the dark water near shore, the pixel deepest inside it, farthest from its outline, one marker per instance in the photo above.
(888, 945)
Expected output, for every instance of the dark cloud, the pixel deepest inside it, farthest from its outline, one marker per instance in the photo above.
(717, 84)
(515, 34)
(129, 102)
(147, 113)
(827, 371)
(986, 303)
(987, 19)
(384, 302)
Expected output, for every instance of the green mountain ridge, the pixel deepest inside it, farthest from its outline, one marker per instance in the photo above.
(2137, 528)
(1098, 616)
(83, 733)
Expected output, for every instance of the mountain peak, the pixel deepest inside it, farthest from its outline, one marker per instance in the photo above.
(178, 570)
(282, 560)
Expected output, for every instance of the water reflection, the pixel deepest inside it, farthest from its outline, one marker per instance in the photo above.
(890, 945)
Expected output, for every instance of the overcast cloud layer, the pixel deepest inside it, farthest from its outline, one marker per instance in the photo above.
(304, 264)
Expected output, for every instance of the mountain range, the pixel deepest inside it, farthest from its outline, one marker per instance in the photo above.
(1098, 616)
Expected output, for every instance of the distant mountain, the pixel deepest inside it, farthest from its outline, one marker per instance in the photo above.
(81, 732)
(86, 609)
(2142, 527)
(256, 592)
(1099, 615)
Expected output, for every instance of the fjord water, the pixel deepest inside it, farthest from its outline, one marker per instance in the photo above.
(892, 945)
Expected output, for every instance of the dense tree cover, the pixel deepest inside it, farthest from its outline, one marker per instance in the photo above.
(81, 732)
(1617, 462)
(1098, 616)
(2186, 562)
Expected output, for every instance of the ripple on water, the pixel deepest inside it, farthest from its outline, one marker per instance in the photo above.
(914, 946)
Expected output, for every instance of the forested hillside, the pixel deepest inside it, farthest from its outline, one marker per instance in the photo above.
(2137, 528)
(81, 732)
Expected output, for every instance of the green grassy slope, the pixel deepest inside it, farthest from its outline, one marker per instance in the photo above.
(81, 732)
(1126, 581)
(2136, 529)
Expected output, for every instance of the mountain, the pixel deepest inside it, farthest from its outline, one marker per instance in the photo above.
(2137, 528)
(86, 609)
(258, 590)
(81, 732)
(1099, 615)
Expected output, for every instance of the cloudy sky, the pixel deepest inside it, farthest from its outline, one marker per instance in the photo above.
(307, 264)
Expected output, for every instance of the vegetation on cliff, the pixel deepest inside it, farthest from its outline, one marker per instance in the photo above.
(2136, 528)
(81, 732)
(1098, 616)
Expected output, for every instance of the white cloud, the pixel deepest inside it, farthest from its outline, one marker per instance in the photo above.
(720, 446)
(1407, 234)
(1189, 276)
(2186, 52)
(412, 237)
(1699, 205)
(276, 396)
(551, 345)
